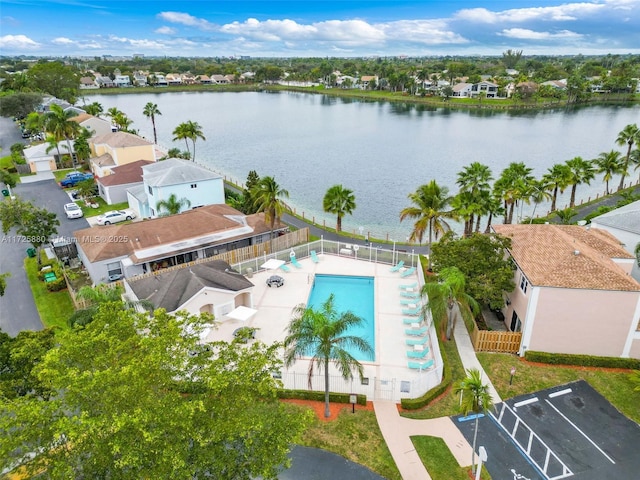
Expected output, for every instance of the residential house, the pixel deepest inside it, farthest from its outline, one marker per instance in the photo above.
(188, 78)
(97, 126)
(118, 148)
(104, 81)
(557, 84)
(174, 176)
(140, 79)
(88, 83)
(159, 80)
(173, 79)
(122, 81)
(43, 158)
(574, 293)
(623, 223)
(219, 79)
(462, 89)
(204, 79)
(488, 88)
(113, 188)
(368, 82)
(211, 287)
(125, 250)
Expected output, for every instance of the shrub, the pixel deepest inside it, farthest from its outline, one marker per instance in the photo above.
(319, 396)
(581, 360)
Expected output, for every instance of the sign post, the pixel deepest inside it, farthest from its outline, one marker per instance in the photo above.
(353, 399)
(513, 372)
(482, 457)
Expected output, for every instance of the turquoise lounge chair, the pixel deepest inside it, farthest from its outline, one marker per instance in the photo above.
(409, 287)
(408, 321)
(398, 266)
(416, 332)
(409, 295)
(417, 353)
(412, 311)
(284, 268)
(295, 262)
(409, 301)
(408, 272)
(417, 341)
(314, 256)
(420, 365)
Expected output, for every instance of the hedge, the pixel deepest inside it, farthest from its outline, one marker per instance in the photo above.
(319, 396)
(582, 360)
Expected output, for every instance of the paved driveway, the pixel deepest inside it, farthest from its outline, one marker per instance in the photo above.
(17, 308)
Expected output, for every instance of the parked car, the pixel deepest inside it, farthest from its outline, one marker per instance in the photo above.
(73, 210)
(73, 178)
(115, 216)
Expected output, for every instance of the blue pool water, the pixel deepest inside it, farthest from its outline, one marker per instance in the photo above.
(353, 294)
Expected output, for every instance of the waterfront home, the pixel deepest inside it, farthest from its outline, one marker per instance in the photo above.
(97, 126)
(368, 82)
(118, 148)
(88, 83)
(462, 89)
(574, 293)
(140, 79)
(113, 188)
(623, 223)
(489, 88)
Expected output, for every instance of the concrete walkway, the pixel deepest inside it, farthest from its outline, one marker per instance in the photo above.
(397, 431)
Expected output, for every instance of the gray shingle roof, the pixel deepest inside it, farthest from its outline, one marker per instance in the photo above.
(625, 218)
(172, 289)
(175, 171)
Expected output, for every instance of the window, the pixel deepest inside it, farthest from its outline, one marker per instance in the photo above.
(150, 191)
(516, 324)
(194, 185)
(114, 269)
(524, 284)
(364, 381)
(405, 387)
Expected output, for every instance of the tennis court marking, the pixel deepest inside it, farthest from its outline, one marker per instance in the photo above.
(566, 471)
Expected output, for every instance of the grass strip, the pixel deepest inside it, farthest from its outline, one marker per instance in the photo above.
(439, 461)
(54, 308)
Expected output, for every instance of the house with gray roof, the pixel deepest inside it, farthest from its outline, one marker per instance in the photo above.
(623, 223)
(211, 287)
(113, 188)
(187, 180)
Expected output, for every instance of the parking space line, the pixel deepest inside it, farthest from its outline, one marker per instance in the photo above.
(525, 402)
(560, 392)
(581, 432)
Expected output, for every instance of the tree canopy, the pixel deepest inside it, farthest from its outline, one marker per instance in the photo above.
(481, 258)
(150, 401)
(56, 79)
(19, 104)
(34, 223)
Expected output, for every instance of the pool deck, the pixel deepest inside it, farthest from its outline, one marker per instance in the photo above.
(274, 307)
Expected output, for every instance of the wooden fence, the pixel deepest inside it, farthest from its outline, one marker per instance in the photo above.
(494, 341)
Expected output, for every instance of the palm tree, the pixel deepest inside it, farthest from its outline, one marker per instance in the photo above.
(445, 294)
(267, 196)
(189, 131)
(475, 398)
(629, 136)
(59, 124)
(566, 215)
(95, 109)
(538, 192)
(475, 180)
(114, 112)
(610, 164)
(121, 121)
(634, 158)
(172, 205)
(339, 201)
(557, 177)
(513, 184)
(430, 211)
(150, 111)
(580, 171)
(321, 334)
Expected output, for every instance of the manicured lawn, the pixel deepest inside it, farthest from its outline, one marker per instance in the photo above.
(614, 385)
(102, 207)
(356, 437)
(54, 307)
(439, 461)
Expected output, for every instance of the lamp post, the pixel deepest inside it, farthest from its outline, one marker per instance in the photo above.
(393, 255)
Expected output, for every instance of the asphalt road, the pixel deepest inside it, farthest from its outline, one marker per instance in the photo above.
(315, 464)
(17, 308)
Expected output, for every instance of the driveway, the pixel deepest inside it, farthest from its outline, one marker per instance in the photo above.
(17, 308)
(9, 134)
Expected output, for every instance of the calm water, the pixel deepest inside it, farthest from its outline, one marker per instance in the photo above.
(382, 151)
(354, 294)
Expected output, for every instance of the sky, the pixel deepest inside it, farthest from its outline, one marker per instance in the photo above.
(317, 28)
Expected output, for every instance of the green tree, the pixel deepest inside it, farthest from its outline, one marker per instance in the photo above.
(81, 145)
(140, 397)
(95, 108)
(475, 398)
(19, 104)
(482, 259)
(447, 293)
(268, 195)
(339, 201)
(56, 79)
(189, 131)
(150, 111)
(558, 178)
(37, 224)
(101, 294)
(510, 58)
(59, 124)
(3, 282)
(566, 215)
(123, 122)
(172, 205)
(248, 205)
(429, 209)
(474, 180)
(580, 171)
(320, 333)
(629, 136)
(609, 164)
(513, 186)
(9, 179)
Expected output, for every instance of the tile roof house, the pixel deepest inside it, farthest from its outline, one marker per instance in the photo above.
(462, 89)
(97, 126)
(211, 287)
(118, 148)
(574, 292)
(113, 188)
(175, 176)
(126, 250)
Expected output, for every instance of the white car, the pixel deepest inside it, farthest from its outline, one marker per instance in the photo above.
(73, 210)
(114, 216)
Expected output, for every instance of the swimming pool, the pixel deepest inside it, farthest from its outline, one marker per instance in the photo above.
(353, 294)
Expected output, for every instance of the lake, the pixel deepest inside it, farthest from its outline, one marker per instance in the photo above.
(382, 151)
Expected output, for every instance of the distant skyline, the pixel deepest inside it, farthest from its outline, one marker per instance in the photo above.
(307, 28)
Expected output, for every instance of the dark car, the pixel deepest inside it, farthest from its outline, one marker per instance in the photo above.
(275, 281)
(74, 178)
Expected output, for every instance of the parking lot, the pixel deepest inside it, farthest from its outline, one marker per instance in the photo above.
(569, 431)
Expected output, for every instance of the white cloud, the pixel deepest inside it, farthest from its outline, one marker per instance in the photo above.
(18, 42)
(525, 34)
(428, 32)
(186, 19)
(63, 41)
(165, 30)
(138, 43)
(566, 12)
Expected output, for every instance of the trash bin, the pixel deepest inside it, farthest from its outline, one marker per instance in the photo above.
(31, 252)
(5, 192)
(249, 272)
